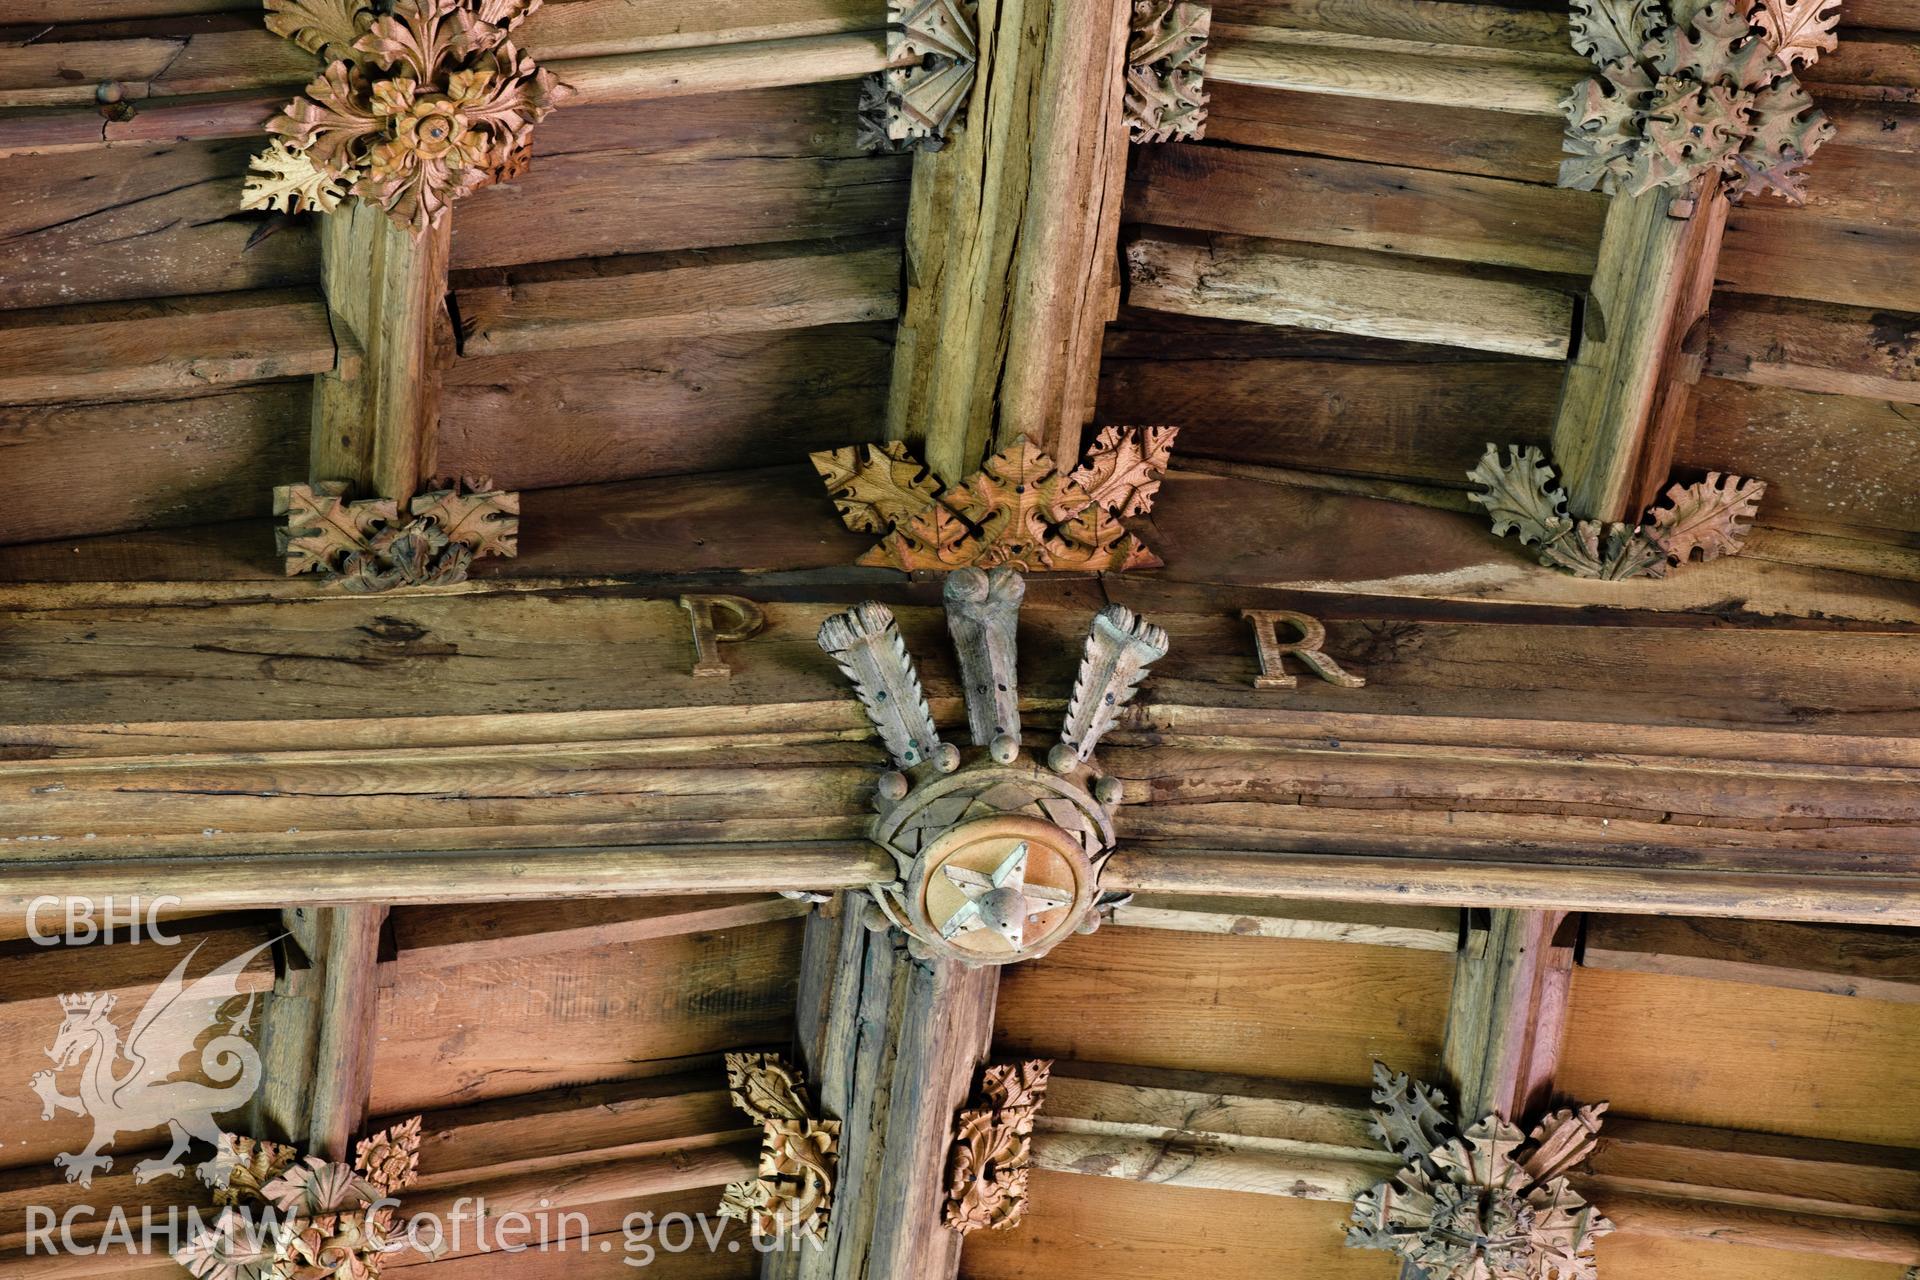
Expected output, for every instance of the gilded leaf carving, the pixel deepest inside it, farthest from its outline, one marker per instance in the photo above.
(289, 181)
(1520, 497)
(1675, 100)
(992, 1153)
(1482, 1201)
(428, 102)
(324, 27)
(1018, 510)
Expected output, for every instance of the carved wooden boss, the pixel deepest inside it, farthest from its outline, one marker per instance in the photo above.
(999, 857)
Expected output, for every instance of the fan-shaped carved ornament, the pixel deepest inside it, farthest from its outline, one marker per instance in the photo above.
(1481, 1201)
(998, 857)
(793, 1192)
(932, 54)
(420, 103)
(1715, 94)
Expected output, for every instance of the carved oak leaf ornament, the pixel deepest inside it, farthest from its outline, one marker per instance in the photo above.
(998, 858)
(1676, 100)
(323, 1221)
(1798, 31)
(1482, 1201)
(288, 180)
(793, 1191)
(1520, 497)
(426, 102)
(1018, 510)
(364, 546)
(992, 1148)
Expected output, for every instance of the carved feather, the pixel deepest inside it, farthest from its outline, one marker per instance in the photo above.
(866, 642)
(983, 613)
(1120, 648)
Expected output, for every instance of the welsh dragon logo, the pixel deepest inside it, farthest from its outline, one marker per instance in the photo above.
(130, 1086)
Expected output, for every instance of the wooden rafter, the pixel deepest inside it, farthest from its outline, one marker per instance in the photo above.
(1010, 238)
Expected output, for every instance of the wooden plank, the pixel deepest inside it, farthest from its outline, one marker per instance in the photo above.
(201, 343)
(375, 427)
(1870, 963)
(1404, 419)
(493, 1028)
(1812, 347)
(665, 407)
(1415, 136)
(1119, 1230)
(434, 938)
(1415, 928)
(755, 167)
(653, 301)
(1377, 295)
(1507, 1016)
(1640, 305)
(1878, 65)
(1829, 460)
(1457, 217)
(1010, 242)
(144, 222)
(1768, 251)
(1646, 1257)
(1130, 993)
(72, 67)
(95, 468)
(1702, 1052)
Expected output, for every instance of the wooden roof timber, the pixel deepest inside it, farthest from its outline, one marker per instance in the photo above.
(1636, 766)
(595, 1150)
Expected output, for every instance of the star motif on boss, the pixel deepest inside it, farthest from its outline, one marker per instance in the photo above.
(1001, 899)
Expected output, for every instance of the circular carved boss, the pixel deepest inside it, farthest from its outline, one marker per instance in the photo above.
(1000, 889)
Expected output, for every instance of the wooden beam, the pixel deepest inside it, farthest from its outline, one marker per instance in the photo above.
(1624, 396)
(1011, 234)
(1516, 885)
(653, 302)
(1411, 928)
(386, 289)
(1265, 58)
(1873, 964)
(189, 346)
(1349, 291)
(724, 68)
(318, 1037)
(497, 876)
(892, 1046)
(1508, 1013)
